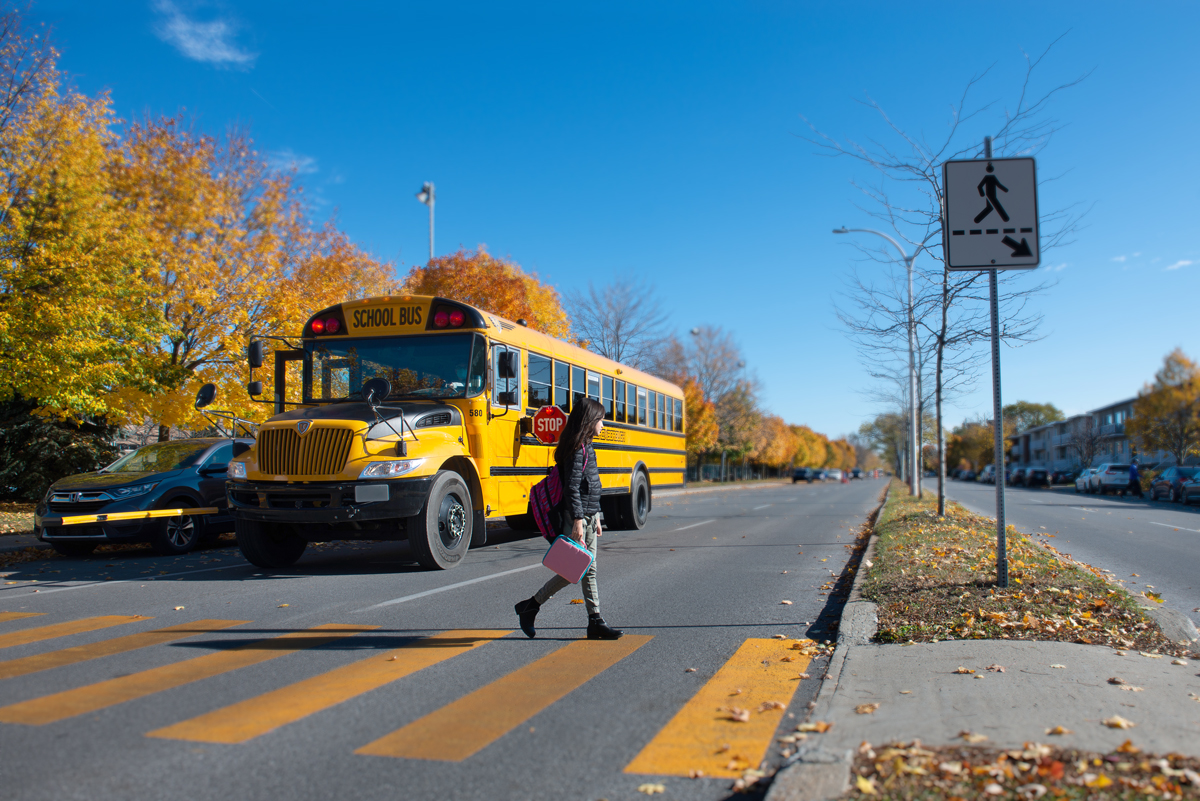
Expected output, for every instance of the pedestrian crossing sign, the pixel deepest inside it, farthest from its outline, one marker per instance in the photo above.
(991, 214)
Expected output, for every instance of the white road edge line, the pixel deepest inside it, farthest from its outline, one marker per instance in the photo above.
(764, 506)
(1177, 528)
(447, 588)
(693, 525)
(130, 581)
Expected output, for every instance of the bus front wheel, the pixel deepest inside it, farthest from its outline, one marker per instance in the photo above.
(440, 534)
(269, 545)
(634, 508)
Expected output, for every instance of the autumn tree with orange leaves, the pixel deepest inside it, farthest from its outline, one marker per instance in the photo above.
(493, 284)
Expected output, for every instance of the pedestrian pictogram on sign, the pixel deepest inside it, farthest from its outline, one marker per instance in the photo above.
(548, 424)
(1008, 191)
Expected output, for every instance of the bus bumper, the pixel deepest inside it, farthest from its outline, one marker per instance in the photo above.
(337, 502)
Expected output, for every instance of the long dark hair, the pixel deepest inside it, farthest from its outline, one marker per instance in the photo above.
(578, 429)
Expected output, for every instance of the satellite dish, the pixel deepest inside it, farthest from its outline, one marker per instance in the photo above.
(376, 390)
(205, 395)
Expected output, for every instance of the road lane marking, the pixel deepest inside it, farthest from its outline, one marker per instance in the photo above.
(119, 645)
(468, 725)
(68, 704)
(1177, 528)
(764, 506)
(447, 588)
(63, 629)
(248, 719)
(1081, 509)
(693, 525)
(696, 738)
(7, 616)
(142, 579)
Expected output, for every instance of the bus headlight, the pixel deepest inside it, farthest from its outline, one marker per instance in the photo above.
(236, 470)
(390, 469)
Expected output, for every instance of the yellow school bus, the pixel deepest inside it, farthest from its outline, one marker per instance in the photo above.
(450, 447)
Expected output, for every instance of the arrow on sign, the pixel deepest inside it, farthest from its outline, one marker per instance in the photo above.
(1018, 248)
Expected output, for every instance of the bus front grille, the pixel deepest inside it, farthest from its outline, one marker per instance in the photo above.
(323, 452)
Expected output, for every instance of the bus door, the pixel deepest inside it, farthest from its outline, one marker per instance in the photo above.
(504, 429)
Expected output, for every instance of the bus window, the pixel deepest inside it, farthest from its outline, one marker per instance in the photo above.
(541, 378)
(593, 386)
(662, 414)
(562, 386)
(668, 420)
(679, 415)
(578, 384)
(653, 402)
(620, 402)
(607, 397)
(506, 389)
(631, 404)
(641, 403)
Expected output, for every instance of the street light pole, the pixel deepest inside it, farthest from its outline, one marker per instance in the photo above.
(914, 445)
(426, 196)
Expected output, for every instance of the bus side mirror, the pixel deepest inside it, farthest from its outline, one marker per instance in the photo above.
(255, 388)
(508, 398)
(505, 366)
(205, 395)
(254, 355)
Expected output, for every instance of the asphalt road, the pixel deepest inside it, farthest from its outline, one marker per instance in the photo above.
(420, 685)
(1158, 541)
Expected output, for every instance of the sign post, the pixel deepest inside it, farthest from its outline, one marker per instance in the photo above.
(548, 424)
(991, 223)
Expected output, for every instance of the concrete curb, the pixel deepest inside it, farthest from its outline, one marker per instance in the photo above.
(814, 773)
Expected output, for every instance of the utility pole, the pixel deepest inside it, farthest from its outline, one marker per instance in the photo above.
(426, 196)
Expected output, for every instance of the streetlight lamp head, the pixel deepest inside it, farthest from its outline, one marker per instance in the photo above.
(695, 332)
(426, 193)
(842, 230)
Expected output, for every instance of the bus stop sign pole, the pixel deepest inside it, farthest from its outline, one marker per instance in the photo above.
(997, 418)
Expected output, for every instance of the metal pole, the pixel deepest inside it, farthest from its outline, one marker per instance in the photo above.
(914, 431)
(431, 222)
(997, 417)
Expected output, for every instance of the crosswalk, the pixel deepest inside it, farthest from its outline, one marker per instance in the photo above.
(726, 727)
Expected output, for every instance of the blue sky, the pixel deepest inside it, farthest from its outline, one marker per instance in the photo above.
(665, 141)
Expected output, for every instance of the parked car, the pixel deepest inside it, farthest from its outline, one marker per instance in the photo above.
(834, 474)
(1062, 477)
(164, 475)
(803, 474)
(1037, 477)
(968, 475)
(857, 473)
(1170, 482)
(1109, 477)
(1017, 479)
(987, 475)
(821, 475)
(1081, 480)
(1189, 490)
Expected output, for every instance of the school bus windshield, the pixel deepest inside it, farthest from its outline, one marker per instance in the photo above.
(439, 366)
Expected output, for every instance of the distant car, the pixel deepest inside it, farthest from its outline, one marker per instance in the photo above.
(968, 475)
(1169, 484)
(1189, 490)
(834, 474)
(1062, 477)
(1037, 477)
(1081, 480)
(164, 475)
(803, 474)
(1109, 477)
(857, 473)
(1017, 479)
(987, 475)
(820, 475)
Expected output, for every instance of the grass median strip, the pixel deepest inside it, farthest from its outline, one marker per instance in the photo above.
(935, 579)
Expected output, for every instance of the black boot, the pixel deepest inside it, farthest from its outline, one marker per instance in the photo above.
(527, 613)
(599, 630)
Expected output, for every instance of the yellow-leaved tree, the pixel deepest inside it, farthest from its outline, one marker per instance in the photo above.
(494, 284)
(701, 416)
(811, 448)
(776, 442)
(233, 256)
(841, 455)
(1166, 414)
(73, 304)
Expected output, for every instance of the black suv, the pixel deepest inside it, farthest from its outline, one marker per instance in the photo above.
(165, 475)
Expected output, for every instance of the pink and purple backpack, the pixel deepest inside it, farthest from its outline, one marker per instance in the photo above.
(545, 498)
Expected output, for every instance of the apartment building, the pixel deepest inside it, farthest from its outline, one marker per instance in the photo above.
(1066, 445)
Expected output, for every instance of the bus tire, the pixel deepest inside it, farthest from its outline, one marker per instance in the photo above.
(269, 545)
(440, 534)
(634, 508)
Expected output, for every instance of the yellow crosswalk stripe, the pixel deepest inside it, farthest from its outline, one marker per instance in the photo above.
(119, 645)
(63, 629)
(102, 695)
(248, 719)
(7, 616)
(704, 736)
(468, 725)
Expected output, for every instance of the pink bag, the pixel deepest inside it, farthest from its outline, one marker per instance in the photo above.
(568, 559)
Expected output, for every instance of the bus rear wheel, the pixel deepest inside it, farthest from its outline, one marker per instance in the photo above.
(634, 509)
(440, 535)
(269, 545)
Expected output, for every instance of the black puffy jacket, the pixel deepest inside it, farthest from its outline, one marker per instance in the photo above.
(581, 486)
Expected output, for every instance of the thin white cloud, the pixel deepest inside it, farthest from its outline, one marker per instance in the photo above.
(1056, 268)
(1135, 255)
(288, 159)
(1180, 263)
(1120, 258)
(209, 42)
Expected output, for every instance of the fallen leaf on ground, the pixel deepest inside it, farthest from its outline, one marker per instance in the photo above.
(818, 726)
(785, 603)
(779, 636)
(576, 600)
(179, 609)
(804, 676)
(1116, 680)
(695, 774)
(906, 692)
(1132, 689)
(282, 606)
(689, 670)
(1150, 656)
(1179, 662)
(1128, 747)
(1060, 667)
(1059, 730)
(651, 789)
(1096, 782)
(995, 668)
(767, 706)
(866, 709)
(738, 714)
(972, 738)
(1118, 722)
(865, 785)
(963, 670)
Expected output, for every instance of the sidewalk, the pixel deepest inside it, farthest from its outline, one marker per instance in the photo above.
(921, 695)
